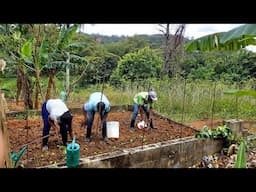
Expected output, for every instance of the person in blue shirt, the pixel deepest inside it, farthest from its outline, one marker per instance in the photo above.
(97, 102)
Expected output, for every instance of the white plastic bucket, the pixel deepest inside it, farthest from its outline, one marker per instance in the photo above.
(112, 129)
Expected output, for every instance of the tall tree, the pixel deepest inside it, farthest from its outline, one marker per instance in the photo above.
(172, 49)
(167, 49)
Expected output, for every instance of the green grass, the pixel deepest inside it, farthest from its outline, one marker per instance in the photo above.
(197, 103)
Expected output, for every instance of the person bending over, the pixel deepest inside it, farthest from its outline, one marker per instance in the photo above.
(97, 102)
(55, 111)
(141, 101)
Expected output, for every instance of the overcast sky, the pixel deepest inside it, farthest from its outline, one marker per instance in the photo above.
(192, 30)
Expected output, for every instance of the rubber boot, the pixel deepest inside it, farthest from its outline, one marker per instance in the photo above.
(132, 129)
(151, 124)
(88, 134)
(45, 141)
(104, 133)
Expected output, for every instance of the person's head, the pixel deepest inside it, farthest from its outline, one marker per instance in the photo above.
(152, 96)
(66, 119)
(100, 107)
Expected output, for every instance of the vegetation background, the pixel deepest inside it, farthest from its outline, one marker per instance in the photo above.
(45, 59)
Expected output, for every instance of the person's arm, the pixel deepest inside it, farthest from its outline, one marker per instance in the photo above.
(85, 122)
(71, 133)
(150, 111)
(141, 113)
(52, 124)
(105, 117)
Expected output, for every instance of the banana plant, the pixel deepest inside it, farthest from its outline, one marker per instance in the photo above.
(244, 33)
(64, 44)
(35, 54)
(232, 40)
(64, 57)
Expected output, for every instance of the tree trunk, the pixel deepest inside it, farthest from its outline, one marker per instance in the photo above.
(177, 49)
(51, 84)
(68, 75)
(37, 67)
(27, 93)
(19, 83)
(37, 95)
(167, 47)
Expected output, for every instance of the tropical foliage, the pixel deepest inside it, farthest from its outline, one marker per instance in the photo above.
(232, 40)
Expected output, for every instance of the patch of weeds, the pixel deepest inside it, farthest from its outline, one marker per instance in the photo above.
(114, 147)
(253, 143)
(20, 116)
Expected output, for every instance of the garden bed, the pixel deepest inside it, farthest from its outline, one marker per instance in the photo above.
(22, 132)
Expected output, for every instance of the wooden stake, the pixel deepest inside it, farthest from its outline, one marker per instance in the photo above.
(5, 135)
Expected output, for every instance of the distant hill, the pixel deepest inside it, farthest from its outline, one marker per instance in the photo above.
(156, 40)
(108, 39)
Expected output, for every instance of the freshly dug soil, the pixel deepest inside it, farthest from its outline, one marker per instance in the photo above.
(22, 132)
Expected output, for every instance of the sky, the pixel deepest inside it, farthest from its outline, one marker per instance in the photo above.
(191, 30)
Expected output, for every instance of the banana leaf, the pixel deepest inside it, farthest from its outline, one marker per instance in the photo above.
(247, 31)
(232, 40)
(241, 156)
(205, 43)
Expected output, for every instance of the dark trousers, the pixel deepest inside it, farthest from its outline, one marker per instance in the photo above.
(91, 115)
(46, 128)
(136, 111)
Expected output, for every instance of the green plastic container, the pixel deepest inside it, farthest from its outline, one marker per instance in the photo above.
(73, 154)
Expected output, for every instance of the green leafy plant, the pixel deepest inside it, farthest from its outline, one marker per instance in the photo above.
(221, 132)
(241, 156)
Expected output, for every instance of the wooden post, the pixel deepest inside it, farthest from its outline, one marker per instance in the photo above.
(4, 136)
(236, 126)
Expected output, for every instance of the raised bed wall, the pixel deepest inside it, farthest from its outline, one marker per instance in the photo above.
(178, 153)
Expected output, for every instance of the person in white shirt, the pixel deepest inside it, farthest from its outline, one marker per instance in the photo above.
(55, 111)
